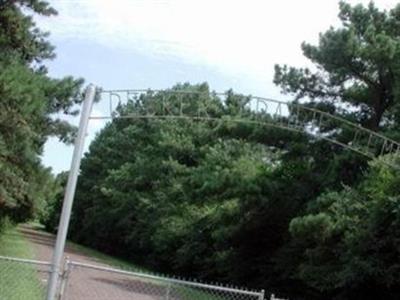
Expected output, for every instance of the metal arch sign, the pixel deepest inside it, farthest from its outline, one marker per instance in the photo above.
(256, 110)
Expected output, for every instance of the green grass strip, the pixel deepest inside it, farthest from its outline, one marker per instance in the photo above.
(19, 280)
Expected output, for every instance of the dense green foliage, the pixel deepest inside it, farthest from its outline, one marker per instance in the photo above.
(211, 200)
(349, 240)
(29, 100)
(49, 214)
(345, 244)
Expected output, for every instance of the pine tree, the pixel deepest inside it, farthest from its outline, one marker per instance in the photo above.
(28, 99)
(356, 65)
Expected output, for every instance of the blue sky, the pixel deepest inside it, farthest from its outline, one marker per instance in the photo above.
(157, 43)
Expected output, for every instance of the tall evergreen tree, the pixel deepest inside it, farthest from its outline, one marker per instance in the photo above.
(356, 66)
(29, 100)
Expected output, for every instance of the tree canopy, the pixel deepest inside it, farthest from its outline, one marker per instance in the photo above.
(356, 66)
(207, 199)
(30, 99)
(349, 240)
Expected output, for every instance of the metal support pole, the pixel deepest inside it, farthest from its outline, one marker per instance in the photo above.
(69, 193)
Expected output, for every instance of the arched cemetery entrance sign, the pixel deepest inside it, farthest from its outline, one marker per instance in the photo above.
(257, 110)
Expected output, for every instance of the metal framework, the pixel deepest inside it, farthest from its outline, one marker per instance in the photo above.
(257, 110)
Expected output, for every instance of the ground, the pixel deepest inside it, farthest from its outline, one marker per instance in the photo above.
(85, 283)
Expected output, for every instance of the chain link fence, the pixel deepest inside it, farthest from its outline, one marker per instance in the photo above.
(23, 279)
(105, 283)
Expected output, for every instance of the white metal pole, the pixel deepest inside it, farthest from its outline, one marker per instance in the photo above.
(69, 193)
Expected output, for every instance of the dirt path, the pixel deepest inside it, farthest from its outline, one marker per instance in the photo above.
(43, 244)
(85, 284)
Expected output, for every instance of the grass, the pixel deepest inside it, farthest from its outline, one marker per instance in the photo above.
(18, 280)
(13, 244)
(96, 255)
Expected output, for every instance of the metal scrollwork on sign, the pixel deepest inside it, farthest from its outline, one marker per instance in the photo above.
(171, 104)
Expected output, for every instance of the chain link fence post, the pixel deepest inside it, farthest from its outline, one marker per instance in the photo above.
(262, 295)
(64, 279)
(167, 294)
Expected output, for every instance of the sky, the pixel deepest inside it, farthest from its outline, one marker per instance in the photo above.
(135, 44)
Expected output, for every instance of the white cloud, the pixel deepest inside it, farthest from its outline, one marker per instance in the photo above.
(237, 37)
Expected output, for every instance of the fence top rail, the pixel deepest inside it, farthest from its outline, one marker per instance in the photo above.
(27, 261)
(165, 279)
